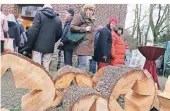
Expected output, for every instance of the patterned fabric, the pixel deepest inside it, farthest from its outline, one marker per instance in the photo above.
(4, 25)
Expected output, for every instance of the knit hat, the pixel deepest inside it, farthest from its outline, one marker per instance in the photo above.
(71, 11)
(114, 20)
(47, 6)
(86, 6)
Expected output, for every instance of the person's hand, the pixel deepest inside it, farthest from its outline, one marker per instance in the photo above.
(88, 28)
(58, 42)
(104, 58)
(61, 44)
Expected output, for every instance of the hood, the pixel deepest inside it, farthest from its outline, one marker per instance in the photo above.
(108, 26)
(11, 17)
(49, 12)
(10, 23)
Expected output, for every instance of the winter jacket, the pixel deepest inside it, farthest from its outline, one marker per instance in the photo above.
(4, 25)
(45, 31)
(13, 32)
(104, 44)
(117, 50)
(78, 25)
(66, 46)
(96, 35)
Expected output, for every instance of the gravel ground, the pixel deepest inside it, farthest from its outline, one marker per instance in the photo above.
(10, 95)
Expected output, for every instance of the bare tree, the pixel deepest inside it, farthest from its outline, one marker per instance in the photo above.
(157, 27)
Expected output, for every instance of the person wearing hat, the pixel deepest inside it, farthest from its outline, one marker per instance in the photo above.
(3, 28)
(84, 23)
(45, 31)
(4, 24)
(67, 47)
(102, 53)
(118, 45)
(13, 31)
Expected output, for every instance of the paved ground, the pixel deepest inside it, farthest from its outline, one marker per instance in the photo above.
(11, 97)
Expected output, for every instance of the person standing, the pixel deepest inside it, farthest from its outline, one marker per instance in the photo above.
(118, 48)
(22, 33)
(13, 31)
(83, 23)
(102, 52)
(43, 34)
(3, 29)
(63, 45)
(4, 25)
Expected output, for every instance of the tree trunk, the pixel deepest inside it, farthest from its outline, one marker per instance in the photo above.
(135, 21)
(84, 99)
(30, 75)
(69, 74)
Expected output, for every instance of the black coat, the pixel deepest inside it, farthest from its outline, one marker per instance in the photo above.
(14, 33)
(45, 31)
(104, 44)
(66, 45)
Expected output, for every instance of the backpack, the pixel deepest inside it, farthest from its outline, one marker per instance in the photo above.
(23, 36)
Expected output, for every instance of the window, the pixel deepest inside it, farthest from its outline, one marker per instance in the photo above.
(29, 11)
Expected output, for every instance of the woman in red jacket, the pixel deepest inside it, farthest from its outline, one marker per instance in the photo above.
(118, 48)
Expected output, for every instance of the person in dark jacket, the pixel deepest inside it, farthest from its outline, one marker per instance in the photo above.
(102, 52)
(93, 63)
(13, 31)
(43, 34)
(22, 33)
(67, 47)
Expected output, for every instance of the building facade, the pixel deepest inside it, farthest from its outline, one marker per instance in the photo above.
(102, 12)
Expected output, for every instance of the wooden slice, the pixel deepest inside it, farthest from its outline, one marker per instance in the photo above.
(164, 99)
(83, 80)
(64, 80)
(84, 99)
(72, 75)
(3, 109)
(136, 102)
(57, 99)
(167, 85)
(91, 103)
(100, 72)
(144, 85)
(156, 103)
(111, 75)
(30, 75)
(69, 69)
(114, 105)
(138, 80)
(125, 83)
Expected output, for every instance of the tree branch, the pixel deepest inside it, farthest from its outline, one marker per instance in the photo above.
(140, 21)
(162, 18)
(165, 27)
(162, 30)
(159, 14)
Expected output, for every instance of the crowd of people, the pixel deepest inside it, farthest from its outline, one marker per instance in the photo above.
(99, 45)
